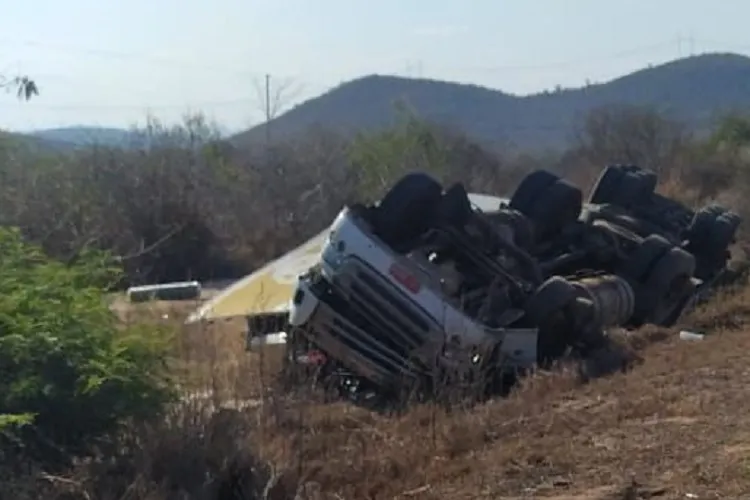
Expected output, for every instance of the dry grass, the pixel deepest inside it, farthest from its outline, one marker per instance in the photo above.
(674, 425)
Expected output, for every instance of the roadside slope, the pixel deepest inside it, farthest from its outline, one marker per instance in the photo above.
(675, 425)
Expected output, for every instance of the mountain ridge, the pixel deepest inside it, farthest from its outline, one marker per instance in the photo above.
(694, 89)
(84, 135)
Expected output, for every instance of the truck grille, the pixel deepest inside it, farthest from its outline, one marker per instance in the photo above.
(370, 326)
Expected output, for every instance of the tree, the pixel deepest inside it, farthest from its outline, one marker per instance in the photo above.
(733, 131)
(631, 134)
(411, 144)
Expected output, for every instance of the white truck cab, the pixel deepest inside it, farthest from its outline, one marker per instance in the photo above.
(395, 317)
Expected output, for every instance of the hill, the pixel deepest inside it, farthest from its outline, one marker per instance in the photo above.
(694, 89)
(67, 138)
(84, 135)
(33, 144)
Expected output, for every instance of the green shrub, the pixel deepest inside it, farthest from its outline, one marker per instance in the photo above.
(382, 157)
(69, 373)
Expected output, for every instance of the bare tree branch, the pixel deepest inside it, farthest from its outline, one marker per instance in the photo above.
(153, 246)
(631, 134)
(25, 87)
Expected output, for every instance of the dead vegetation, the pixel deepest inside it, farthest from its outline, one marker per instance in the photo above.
(672, 426)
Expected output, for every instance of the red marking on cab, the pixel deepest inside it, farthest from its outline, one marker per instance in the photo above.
(405, 278)
(313, 357)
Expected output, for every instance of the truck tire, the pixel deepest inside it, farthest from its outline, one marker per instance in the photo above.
(523, 231)
(723, 234)
(640, 263)
(546, 309)
(407, 209)
(699, 230)
(454, 207)
(530, 190)
(710, 234)
(618, 216)
(670, 281)
(548, 201)
(560, 206)
(624, 185)
(661, 273)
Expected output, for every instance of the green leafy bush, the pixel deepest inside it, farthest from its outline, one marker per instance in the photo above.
(381, 157)
(69, 372)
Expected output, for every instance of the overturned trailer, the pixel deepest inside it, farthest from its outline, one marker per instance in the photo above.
(431, 287)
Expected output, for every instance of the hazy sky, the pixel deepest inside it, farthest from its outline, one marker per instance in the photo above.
(110, 62)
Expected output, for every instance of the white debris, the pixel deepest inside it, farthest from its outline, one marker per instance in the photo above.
(257, 343)
(688, 335)
(183, 290)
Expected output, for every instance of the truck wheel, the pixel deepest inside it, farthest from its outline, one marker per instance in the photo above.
(671, 284)
(723, 234)
(726, 229)
(547, 309)
(683, 305)
(523, 232)
(640, 263)
(454, 207)
(624, 185)
(407, 209)
(530, 189)
(710, 234)
(559, 206)
(616, 215)
(661, 273)
(550, 202)
(637, 267)
(606, 188)
(699, 231)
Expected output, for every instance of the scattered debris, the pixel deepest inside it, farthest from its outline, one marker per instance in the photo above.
(259, 342)
(687, 335)
(183, 290)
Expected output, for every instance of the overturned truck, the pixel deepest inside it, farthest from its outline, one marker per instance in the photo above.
(424, 290)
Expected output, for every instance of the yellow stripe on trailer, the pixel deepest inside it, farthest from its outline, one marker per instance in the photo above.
(269, 289)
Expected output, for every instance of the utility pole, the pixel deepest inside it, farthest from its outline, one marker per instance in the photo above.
(268, 110)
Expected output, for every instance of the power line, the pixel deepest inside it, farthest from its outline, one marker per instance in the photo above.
(88, 106)
(412, 66)
(670, 43)
(161, 61)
